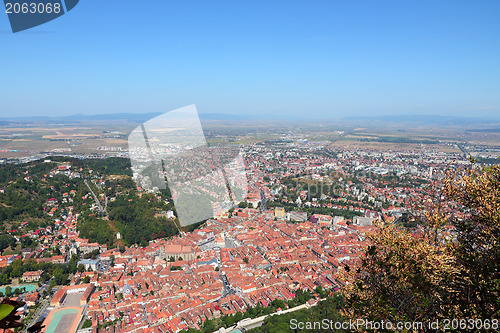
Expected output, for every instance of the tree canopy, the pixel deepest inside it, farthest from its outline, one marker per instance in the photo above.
(449, 270)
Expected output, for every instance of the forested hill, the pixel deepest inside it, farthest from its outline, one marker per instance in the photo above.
(36, 194)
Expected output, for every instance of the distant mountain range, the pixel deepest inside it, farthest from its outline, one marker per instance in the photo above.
(423, 119)
(130, 117)
(227, 116)
(142, 117)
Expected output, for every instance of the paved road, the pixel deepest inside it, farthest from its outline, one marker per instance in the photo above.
(146, 314)
(263, 199)
(257, 322)
(96, 199)
(462, 148)
(39, 313)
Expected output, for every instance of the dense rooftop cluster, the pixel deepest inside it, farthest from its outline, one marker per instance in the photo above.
(306, 213)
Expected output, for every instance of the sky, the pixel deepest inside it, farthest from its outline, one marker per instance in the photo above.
(313, 59)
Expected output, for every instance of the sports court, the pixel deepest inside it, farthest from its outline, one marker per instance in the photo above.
(28, 287)
(63, 320)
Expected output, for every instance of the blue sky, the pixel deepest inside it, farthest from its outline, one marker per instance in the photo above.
(301, 58)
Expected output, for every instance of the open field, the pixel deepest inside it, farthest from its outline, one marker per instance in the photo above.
(388, 146)
(110, 138)
(17, 141)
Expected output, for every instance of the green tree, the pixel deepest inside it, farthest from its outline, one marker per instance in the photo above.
(405, 277)
(87, 324)
(477, 249)
(209, 326)
(6, 241)
(401, 277)
(328, 309)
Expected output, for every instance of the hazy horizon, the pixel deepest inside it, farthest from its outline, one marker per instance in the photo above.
(143, 116)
